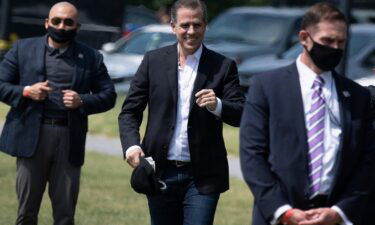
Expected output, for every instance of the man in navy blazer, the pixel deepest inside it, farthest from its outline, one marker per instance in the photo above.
(306, 139)
(190, 91)
(52, 84)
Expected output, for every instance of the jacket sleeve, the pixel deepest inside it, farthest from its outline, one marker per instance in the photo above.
(103, 95)
(360, 185)
(131, 114)
(254, 153)
(10, 88)
(233, 98)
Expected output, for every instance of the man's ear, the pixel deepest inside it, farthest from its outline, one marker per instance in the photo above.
(173, 26)
(46, 23)
(303, 36)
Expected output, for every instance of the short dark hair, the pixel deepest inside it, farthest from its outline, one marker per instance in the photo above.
(322, 11)
(191, 4)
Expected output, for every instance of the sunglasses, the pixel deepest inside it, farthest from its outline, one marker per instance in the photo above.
(68, 22)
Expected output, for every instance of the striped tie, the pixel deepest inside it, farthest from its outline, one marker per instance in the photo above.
(315, 134)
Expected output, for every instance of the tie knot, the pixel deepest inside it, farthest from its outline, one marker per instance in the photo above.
(318, 82)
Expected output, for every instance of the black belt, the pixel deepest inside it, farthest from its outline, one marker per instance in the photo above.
(55, 121)
(318, 201)
(177, 163)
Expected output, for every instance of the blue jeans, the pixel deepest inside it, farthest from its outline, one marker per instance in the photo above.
(181, 203)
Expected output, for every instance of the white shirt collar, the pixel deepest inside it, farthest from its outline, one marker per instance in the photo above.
(197, 54)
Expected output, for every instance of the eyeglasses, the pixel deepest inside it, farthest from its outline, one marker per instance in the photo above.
(68, 22)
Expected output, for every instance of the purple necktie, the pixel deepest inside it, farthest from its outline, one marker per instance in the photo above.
(315, 135)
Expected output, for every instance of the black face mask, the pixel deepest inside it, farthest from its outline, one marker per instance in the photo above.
(325, 57)
(61, 35)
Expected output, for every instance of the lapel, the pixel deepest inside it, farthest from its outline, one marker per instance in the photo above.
(79, 66)
(202, 74)
(295, 102)
(40, 52)
(171, 61)
(343, 96)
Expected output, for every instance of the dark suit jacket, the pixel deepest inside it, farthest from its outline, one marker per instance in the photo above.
(273, 146)
(155, 84)
(24, 65)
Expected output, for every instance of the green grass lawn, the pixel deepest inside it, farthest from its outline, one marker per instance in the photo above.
(106, 197)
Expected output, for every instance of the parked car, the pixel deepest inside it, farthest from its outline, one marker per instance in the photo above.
(123, 57)
(361, 57)
(249, 31)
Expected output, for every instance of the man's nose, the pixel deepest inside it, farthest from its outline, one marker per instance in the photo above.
(335, 45)
(61, 25)
(191, 29)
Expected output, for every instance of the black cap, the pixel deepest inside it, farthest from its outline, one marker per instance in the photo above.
(143, 179)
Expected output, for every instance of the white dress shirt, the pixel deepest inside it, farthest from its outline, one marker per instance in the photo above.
(332, 129)
(179, 145)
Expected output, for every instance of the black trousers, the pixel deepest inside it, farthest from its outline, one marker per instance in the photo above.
(49, 165)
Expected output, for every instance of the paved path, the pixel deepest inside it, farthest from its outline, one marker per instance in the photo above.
(112, 146)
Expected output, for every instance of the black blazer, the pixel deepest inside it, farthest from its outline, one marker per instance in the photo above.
(273, 146)
(24, 65)
(155, 84)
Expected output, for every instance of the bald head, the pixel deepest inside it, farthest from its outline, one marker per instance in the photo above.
(62, 24)
(65, 9)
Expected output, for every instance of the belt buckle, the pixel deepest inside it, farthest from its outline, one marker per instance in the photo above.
(181, 163)
(178, 163)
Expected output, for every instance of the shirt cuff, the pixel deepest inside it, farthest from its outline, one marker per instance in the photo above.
(345, 220)
(131, 149)
(279, 212)
(217, 111)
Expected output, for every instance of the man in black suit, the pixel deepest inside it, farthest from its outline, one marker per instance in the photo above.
(306, 139)
(52, 84)
(190, 91)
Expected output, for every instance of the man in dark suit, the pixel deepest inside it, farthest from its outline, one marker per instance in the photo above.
(190, 91)
(306, 139)
(52, 84)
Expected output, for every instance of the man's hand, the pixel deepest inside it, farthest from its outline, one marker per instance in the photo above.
(71, 99)
(134, 156)
(206, 98)
(319, 216)
(296, 217)
(38, 91)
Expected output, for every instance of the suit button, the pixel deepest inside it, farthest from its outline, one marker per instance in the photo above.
(164, 147)
(190, 127)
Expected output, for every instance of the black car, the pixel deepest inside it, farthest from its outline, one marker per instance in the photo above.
(248, 31)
